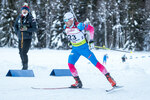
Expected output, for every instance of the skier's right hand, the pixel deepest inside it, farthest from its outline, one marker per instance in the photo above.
(24, 28)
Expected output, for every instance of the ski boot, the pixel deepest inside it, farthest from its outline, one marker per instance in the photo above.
(25, 67)
(78, 83)
(111, 80)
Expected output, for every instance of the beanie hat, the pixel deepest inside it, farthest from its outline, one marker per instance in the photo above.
(68, 15)
(25, 6)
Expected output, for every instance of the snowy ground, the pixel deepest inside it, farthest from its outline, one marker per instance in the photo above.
(134, 75)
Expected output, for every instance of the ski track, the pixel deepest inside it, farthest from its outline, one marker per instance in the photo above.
(134, 75)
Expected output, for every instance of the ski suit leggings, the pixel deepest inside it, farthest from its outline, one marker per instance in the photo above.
(84, 51)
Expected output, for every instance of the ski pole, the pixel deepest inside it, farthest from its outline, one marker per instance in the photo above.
(112, 49)
(73, 12)
(101, 47)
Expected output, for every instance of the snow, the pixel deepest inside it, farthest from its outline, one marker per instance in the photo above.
(38, 2)
(135, 22)
(134, 75)
(1, 28)
(117, 26)
(33, 14)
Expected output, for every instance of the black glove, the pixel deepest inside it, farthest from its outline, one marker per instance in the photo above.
(69, 44)
(91, 41)
(91, 44)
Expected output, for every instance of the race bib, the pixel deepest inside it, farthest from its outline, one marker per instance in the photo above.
(74, 35)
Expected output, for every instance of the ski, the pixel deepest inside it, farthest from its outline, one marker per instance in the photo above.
(114, 88)
(57, 88)
(50, 88)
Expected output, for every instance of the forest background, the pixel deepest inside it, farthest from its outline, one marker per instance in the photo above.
(118, 24)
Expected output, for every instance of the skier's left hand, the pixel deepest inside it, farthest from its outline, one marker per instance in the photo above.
(91, 44)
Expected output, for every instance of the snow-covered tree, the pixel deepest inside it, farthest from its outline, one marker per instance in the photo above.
(7, 17)
(117, 23)
(136, 34)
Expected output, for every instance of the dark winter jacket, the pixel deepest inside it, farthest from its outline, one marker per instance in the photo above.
(27, 21)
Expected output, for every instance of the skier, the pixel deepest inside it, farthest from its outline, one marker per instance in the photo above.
(24, 26)
(124, 58)
(75, 34)
(105, 58)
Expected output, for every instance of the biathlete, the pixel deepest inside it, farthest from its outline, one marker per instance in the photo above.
(80, 47)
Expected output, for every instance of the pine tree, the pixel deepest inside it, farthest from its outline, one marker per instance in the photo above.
(136, 19)
(117, 23)
(8, 14)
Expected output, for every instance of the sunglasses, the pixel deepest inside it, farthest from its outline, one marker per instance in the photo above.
(66, 20)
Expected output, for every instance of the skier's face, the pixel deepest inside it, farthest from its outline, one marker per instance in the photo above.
(24, 12)
(69, 22)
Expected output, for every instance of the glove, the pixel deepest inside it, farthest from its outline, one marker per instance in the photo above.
(91, 44)
(69, 45)
(23, 28)
(91, 41)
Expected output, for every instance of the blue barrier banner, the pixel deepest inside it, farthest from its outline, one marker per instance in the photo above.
(20, 73)
(60, 72)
